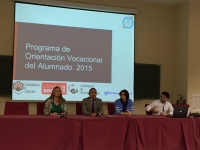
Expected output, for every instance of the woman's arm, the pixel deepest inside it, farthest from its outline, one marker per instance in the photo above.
(47, 107)
(65, 110)
(125, 113)
(130, 109)
(118, 107)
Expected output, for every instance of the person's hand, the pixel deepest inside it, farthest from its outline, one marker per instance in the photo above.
(163, 114)
(169, 115)
(129, 113)
(53, 114)
(100, 114)
(125, 113)
(63, 114)
(93, 114)
(154, 110)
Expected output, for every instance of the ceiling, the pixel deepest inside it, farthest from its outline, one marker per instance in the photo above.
(172, 2)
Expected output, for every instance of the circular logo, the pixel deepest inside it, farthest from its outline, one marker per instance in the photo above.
(72, 89)
(127, 22)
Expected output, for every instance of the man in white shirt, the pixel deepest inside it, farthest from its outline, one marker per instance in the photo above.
(161, 106)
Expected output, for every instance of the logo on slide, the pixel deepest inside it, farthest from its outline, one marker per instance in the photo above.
(127, 22)
(113, 93)
(72, 89)
(110, 93)
(18, 87)
(47, 87)
(106, 92)
(83, 91)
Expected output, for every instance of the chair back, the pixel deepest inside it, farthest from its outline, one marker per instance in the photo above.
(111, 108)
(40, 108)
(16, 108)
(148, 112)
(78, 108)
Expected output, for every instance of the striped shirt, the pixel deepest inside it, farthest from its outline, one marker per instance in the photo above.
(119, 106)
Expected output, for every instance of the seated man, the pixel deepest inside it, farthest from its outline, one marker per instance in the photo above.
(161, 106)
(92, 106)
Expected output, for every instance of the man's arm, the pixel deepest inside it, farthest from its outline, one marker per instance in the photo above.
(152, 107)
(84, 108)
(171, 109)
(100, 106)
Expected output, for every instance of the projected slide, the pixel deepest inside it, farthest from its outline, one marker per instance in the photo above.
(63, 53)
(74, 49)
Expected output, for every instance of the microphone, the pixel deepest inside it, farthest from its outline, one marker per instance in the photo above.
(99, 114)
(62, 116)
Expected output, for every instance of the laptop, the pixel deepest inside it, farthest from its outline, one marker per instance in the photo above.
(180, 112)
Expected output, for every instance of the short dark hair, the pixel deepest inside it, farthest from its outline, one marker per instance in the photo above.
(92, 89)
(166, 94)
(126, 93)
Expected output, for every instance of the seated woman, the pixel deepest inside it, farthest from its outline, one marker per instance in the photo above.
(124, 105)
(55, 104)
